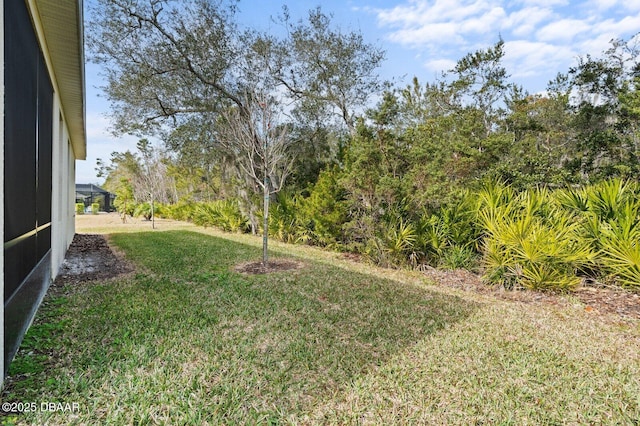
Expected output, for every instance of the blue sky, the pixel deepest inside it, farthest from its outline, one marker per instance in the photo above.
(424, 37)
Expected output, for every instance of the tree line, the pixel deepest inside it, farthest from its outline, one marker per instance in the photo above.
(355, 163)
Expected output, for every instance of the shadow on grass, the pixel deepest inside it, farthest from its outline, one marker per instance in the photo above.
(240, 347)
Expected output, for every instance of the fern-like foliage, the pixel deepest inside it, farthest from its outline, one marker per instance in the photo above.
(530, 243)
(223, 214)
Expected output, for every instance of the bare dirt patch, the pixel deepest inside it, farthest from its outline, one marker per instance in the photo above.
(90, 258)
(275, 265)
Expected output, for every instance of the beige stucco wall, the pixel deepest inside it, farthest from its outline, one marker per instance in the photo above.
(62, 194)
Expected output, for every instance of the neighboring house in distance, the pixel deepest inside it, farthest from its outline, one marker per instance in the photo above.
(43, 129)
(88, 193)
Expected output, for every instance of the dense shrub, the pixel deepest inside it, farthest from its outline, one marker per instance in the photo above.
(287, 219)
(181, 211)
(528, 245)
(550, 240)
(611, 225)
(325, 210)
(144, 210)
(223, 214)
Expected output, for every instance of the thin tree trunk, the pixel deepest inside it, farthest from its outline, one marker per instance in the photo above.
(265, 233)
(153, 215)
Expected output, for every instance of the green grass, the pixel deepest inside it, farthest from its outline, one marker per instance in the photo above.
(185, 340)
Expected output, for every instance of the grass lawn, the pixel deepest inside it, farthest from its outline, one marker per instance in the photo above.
(185, 340)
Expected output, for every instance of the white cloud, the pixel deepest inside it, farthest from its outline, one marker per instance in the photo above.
(422, 12)
(477, 16)
(524, 22)
(100, 144)
(564, 30)
(545, 3)
(543, 37)
(489, 22)
(525, 59)
(440, 33)
(440, 65)
(602, 5)
(631, 5)
(628, 25)
(97, 125)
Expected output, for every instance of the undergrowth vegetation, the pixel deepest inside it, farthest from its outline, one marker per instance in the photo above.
(538, 238)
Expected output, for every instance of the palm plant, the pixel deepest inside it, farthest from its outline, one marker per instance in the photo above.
(619, 241)
(224, 214)
(144, 210)
(573, 200)
(449, 238)
(609, 223)
(287, 220)
(606, 198)
(400, 240)
(230, 218)
(528, 242)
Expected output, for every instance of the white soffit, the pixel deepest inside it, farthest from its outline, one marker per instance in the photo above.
(62, 24)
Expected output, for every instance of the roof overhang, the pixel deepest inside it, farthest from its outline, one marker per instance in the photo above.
(63, 28)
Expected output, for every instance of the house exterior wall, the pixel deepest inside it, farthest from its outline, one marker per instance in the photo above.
(37, 158)
(63, 193)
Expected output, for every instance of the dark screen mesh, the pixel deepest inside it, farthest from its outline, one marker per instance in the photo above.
(28, 124)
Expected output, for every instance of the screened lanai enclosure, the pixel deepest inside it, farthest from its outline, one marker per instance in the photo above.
(88, 194)
(43, 132)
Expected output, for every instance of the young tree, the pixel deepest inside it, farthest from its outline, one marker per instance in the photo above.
(153, 182)
(143, 176)
(124, 201)
(259, 144)
(481, 82)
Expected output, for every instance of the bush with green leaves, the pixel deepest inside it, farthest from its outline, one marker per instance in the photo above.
(223, 214)
(287, 221)
(449, 238)
(394, 246)
(144, 210)
(183, 210)
(446, 238)
(608, 214)
(536, 238)
(528, 242)
(125, 202)
(325, 209)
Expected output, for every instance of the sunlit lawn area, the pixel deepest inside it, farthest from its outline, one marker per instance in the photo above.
(186, 340)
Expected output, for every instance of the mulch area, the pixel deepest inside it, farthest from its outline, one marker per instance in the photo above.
(593, 299)
(274, 265)
(90, 258)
